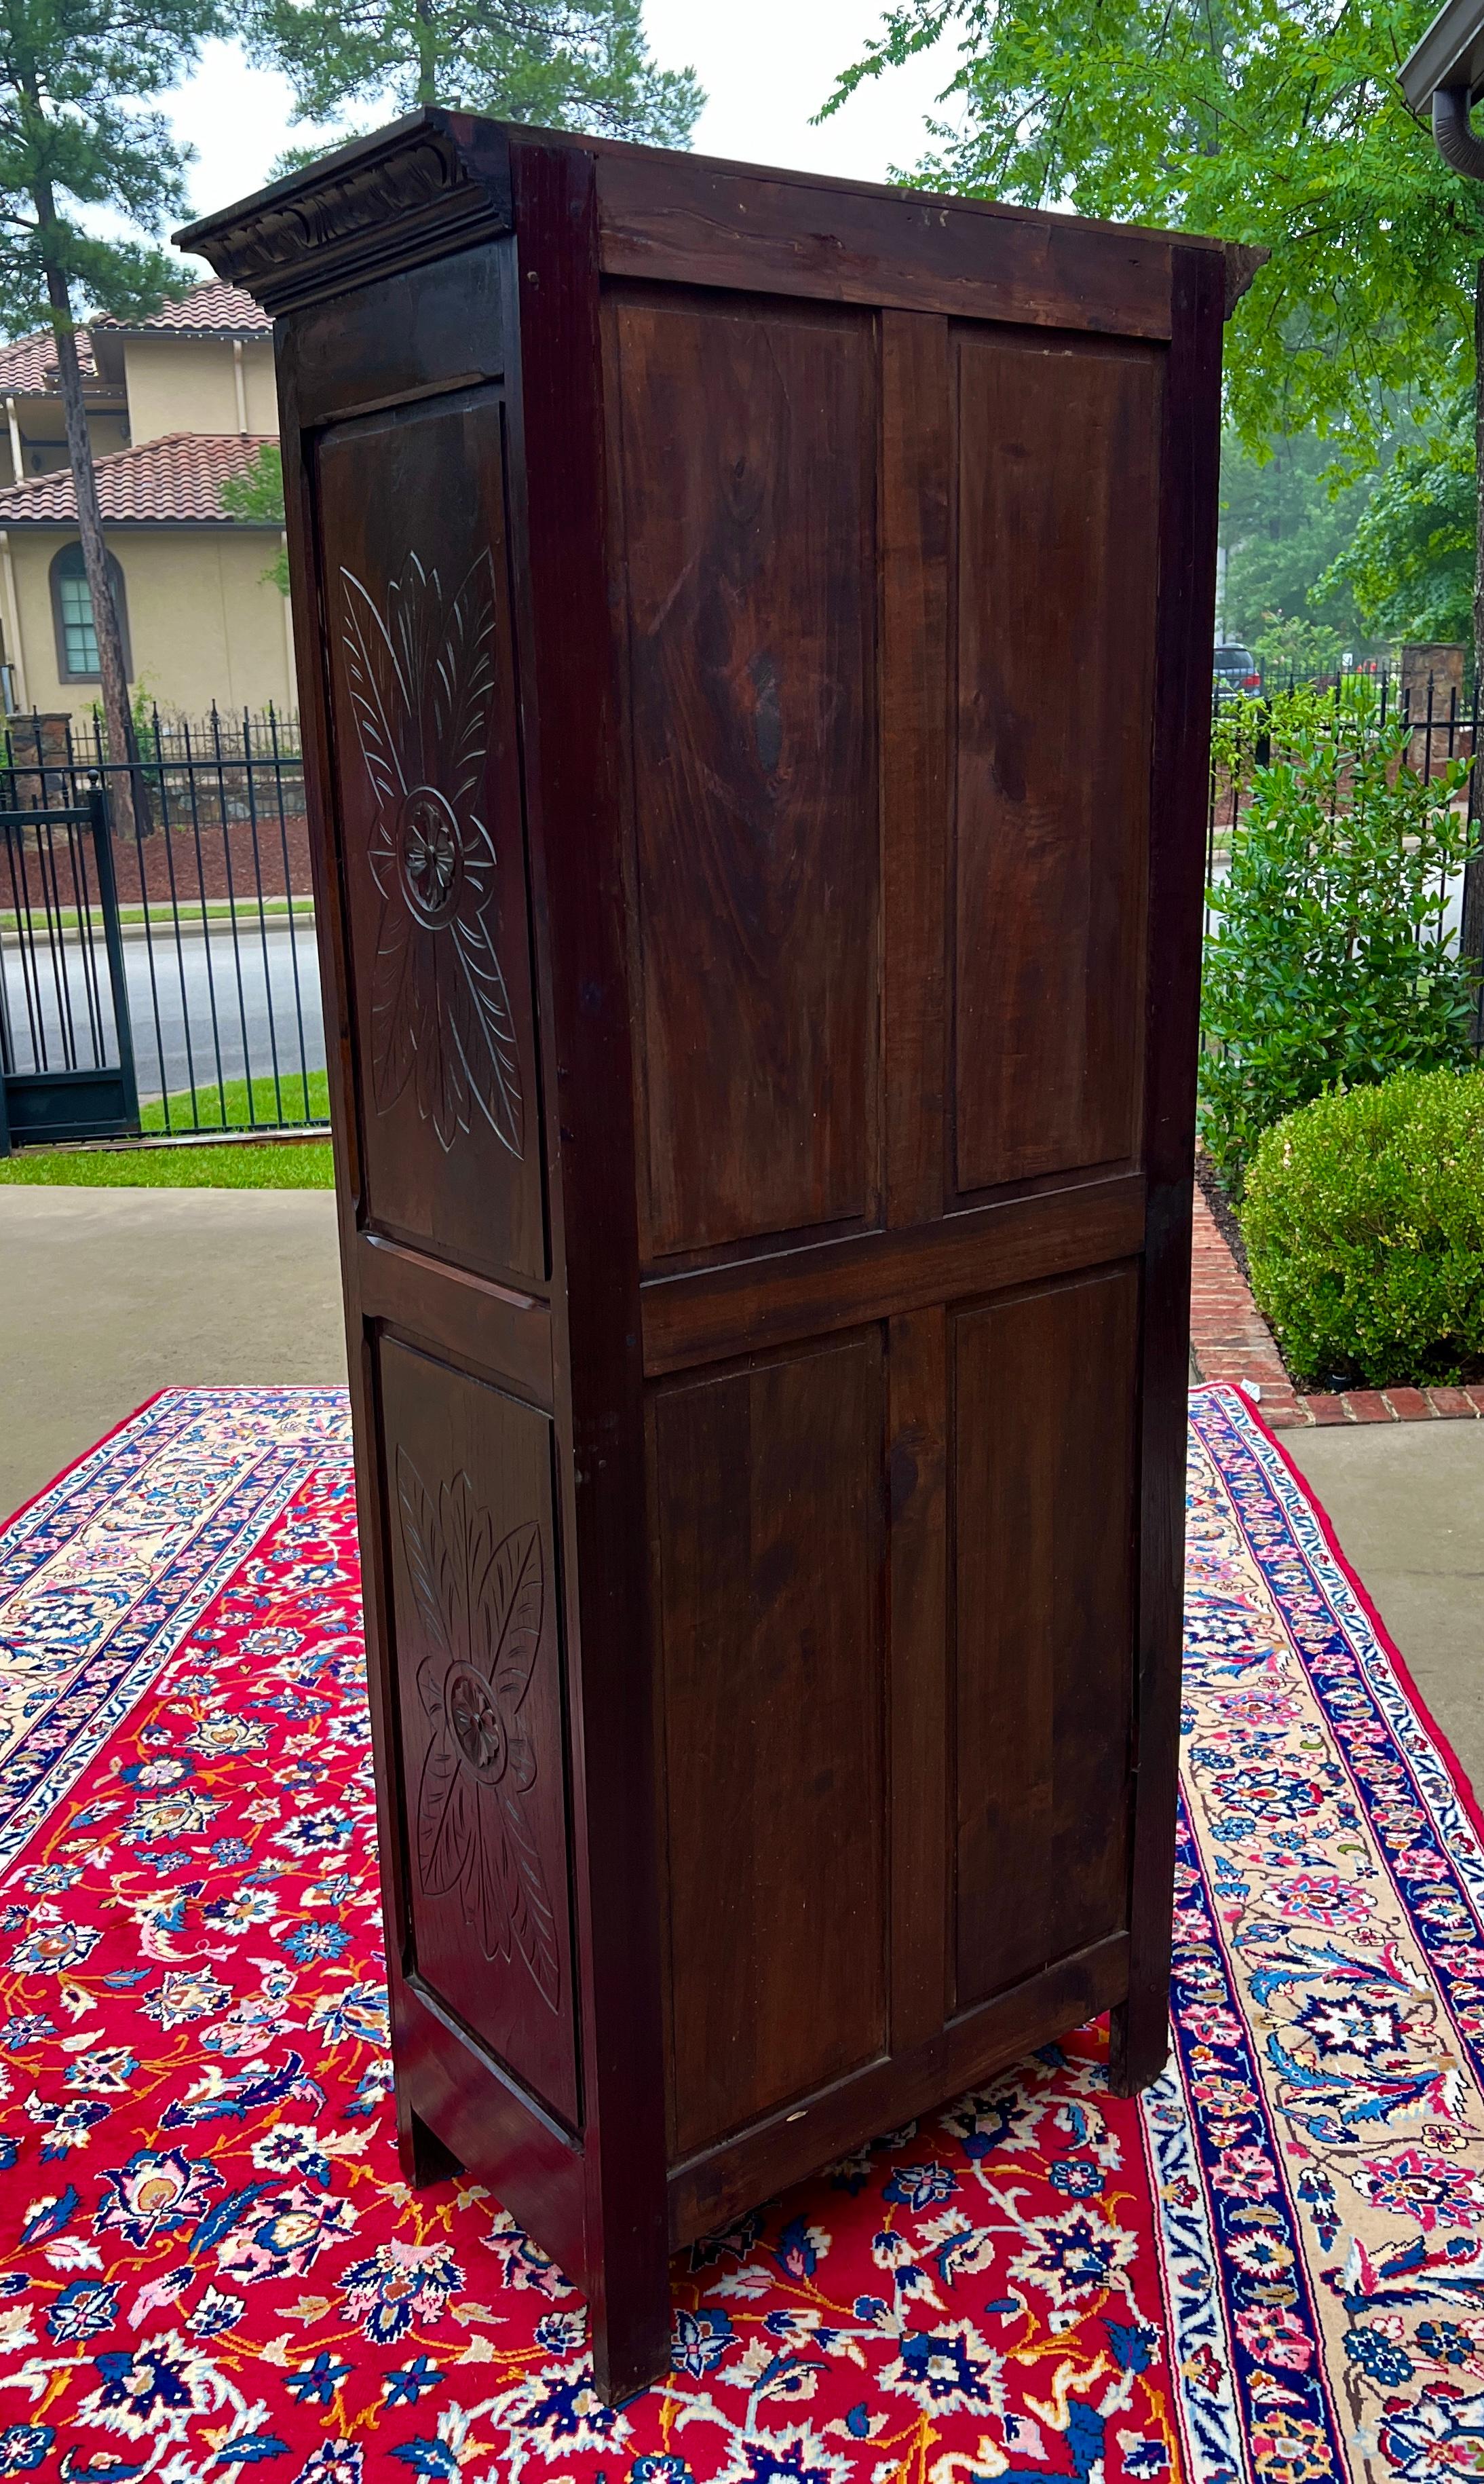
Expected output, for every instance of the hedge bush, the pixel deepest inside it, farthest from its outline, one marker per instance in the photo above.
(1364, 1220)
(1330, 965)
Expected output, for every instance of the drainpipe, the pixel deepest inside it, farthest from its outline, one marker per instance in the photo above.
(13, 619)
(289, 632)
(1453, 132)
(16, 456)
(236, 372)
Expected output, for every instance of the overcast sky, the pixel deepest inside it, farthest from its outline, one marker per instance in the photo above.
(765, 65)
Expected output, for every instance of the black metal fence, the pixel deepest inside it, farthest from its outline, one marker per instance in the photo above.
(214, 911)
(1442, 718)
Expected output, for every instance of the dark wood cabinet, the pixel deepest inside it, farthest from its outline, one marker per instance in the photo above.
(754, 643)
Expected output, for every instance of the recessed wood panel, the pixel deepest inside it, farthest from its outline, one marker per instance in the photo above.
(1057, 467)
(1043, 1524)
(477, 1658)
(769, 1492)
(748, 623)
(432, 843)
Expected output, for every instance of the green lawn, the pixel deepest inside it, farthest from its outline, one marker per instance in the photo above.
(279, 1164)
(268, 1108)
(248, 1164)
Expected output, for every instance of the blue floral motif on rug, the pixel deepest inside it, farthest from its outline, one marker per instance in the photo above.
(1271, 2267)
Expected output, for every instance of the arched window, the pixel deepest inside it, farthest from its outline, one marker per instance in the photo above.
(71, 612)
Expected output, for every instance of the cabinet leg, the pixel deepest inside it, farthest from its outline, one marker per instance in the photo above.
(1138, 2039)
(630, 2343)
(422, 2157)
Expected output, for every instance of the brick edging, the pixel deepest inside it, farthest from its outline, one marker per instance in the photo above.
(1229, 1340)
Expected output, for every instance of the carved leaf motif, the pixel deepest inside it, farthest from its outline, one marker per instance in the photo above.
(528, 1909)
(427, 1554)
(396, 1006)
(378, 692)
(511, 1615)
(483, 1605)
(463, 681)
(483, 1030)
(446, 1836)
(421, 681)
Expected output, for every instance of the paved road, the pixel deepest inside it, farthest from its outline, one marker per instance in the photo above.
(111, 1294)
(202, 1012)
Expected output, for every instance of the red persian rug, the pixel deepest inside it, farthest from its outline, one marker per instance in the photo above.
(1271, 2267)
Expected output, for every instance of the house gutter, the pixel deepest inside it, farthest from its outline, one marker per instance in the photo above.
(1454, 134)
(13, 619)
(236, 372)
(15, 457)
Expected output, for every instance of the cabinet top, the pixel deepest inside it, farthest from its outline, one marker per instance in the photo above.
(439, 181)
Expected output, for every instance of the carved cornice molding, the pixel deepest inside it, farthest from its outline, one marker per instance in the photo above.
(431, 182)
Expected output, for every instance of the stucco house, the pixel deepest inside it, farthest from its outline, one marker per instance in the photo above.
(175, 405)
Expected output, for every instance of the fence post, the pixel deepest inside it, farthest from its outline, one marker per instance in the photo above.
(113, 942)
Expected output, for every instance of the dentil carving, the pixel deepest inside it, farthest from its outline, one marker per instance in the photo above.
(481, 1604)
(421, 681)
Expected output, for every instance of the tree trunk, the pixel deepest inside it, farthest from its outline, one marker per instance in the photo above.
(117, 718)
(426, 36)
(1471, 936)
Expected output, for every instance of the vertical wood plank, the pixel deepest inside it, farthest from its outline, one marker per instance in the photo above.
(1189, 450)
(567, 697)
(1044, 1491)
(917, 1401)
(916, 448)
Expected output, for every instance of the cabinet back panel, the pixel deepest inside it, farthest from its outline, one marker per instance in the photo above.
(431, 830)
(770, 1486)
(1045, 1387)
(1057, 484)
(747, 627)
(477, 1671)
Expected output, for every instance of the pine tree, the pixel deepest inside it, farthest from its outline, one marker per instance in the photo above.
(559, 64)
(75, 77)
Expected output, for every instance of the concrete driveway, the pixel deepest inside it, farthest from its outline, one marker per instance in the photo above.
(107, 1295)
(1407, 1503)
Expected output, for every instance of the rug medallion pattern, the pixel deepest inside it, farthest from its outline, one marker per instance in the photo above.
(1271, 2267)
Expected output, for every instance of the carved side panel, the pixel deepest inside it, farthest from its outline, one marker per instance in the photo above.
(467, 1478)
(432, 839)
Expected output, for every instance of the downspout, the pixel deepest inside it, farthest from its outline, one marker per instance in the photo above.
(236, 372)
(12, 620)
(288, 637)
(16, 456)
(1453, 132)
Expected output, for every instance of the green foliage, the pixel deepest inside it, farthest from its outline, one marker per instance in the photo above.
(75, 77)
(1363, 1221)
(1285, 517)
(1329, 964)
(1277, 122)
(1296, 649)
(1410, 560)
(256, 495)
(560, 64)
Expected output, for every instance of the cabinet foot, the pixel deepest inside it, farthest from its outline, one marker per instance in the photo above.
(1137, 2040)
(423, 2158)
(630, 2347)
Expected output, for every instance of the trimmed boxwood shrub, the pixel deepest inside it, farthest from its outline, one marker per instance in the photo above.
(1330, 964)
(1364, 1220)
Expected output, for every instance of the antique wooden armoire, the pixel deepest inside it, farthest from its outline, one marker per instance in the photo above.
(754, 640)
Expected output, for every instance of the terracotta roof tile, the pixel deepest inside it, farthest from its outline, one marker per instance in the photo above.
(28, 367)
(207, 310)
(175, 480)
